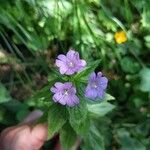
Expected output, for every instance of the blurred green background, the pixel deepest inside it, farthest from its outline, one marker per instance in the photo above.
(34, 32)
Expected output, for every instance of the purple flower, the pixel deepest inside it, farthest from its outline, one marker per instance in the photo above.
(96, 86)
(65, 94)
(70, 63)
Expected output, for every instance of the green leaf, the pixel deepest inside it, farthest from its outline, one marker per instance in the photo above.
(20, 110)
(41, 98)
(43, 118)
(127, 142)
(57, 116)
(68, 137)
(128, 13)
(146, 15)
(15, 112)
(94, 140)
(83, 75)
(4, 96)
(80, 88)
(129, 65)
(15, 106)
(78, 117)
(106, 20)
(22, 114)
(108, 97)
(145, 79)
(6, 118)
(147, 41)
(100, 109)
(2, 114)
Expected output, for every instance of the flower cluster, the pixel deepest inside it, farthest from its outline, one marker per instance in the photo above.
(65, 93)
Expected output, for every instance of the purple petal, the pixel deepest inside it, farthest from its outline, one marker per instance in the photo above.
(55, 100)
(54, 90)
(91, 93)
(88, 87)
(57, 97)
(75, 99)
(59, 85)
(62, 57)
(92, 77)
(71, 54)
(72, 90)
(70, 71)
(72, 100)
(103, 82)
(58, 63)
(63, 68)
(69, 102)
(83, 63)
(76, 56)
(100, 93)
(80, 65)
(99, 74)
(68, 85)
(62, 100)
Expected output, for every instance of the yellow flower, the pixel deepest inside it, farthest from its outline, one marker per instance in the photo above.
(120, 37)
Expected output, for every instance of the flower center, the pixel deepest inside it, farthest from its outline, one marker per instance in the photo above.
(94, 85)
(71, 64)
(66, 92)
